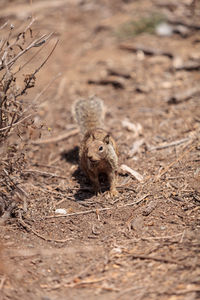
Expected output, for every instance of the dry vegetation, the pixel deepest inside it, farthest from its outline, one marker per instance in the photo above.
(144, 244)
(16, 114)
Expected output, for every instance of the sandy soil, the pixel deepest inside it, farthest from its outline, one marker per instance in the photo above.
(144, 244)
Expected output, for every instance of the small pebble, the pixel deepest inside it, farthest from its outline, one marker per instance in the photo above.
(164, 29)
(60, 211)
(116, 250)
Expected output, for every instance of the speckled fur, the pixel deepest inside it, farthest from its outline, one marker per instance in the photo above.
(98, 150)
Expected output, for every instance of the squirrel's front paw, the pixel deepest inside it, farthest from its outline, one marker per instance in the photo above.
(97, 191)
(112, 193)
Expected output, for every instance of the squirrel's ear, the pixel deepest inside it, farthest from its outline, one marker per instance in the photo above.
(107, 139)
(87, 135)
(92, 135)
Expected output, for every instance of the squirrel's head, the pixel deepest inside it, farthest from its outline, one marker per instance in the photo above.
(97, 146)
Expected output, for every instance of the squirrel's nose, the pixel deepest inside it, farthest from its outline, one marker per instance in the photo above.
(91, 158)
(89, 155)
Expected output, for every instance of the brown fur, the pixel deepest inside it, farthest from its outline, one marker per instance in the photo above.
(98, 150)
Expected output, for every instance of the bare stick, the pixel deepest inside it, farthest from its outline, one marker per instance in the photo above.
(11, 124)
(183, 96)
(29, 228)
(3, 279)
(21, 34)
(15, 124)
(159, 259)
(20, 190)
(146, 50)
(27, 62)
(56, 139)
(36, 43)
(44, 62)
(85, 282)
(166, 237)
(132, 172)
(189, 24)
(172, 144)
(4, 25)
(32, 76)
(189, 66)
(45, 173)
(98, 210)
(45, 88)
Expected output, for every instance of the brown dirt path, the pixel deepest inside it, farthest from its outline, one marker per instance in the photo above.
(145, 244)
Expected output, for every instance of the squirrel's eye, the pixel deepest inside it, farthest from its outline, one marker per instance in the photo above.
(101, 148)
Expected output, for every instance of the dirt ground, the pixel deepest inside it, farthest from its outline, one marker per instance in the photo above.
(145, 243)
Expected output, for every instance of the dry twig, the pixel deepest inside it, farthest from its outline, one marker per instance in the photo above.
(159, 259)
(3, 279)
(29, 228)
(20, 190)
(57, 139)
(98, 210)
(183, 96)
(42, 173)
(132, 172)
(172, 144)
(145, 50)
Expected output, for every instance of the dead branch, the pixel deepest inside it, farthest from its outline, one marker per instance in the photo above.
(36, 43)
(29, 228)
(3, 279)
(14, 184)
(189, 66)
(25, 196)
(119, 73)
(145, 50)
(45, 88)
(28, 61)
(42, 173)
(30, 78)
(132, 172)
(56, 139)
(185, 23)
(116, 82)
(4, 25)
(98, 210)
(172, 144)
(15, 124)
(165, 237)
(13, 111)
(183, 96)
(159, 259)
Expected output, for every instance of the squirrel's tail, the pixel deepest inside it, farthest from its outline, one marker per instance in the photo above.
(89, 113)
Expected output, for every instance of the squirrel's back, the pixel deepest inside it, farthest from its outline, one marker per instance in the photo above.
(89, 113)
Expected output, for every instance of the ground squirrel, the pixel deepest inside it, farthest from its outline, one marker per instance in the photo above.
(98, 151)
